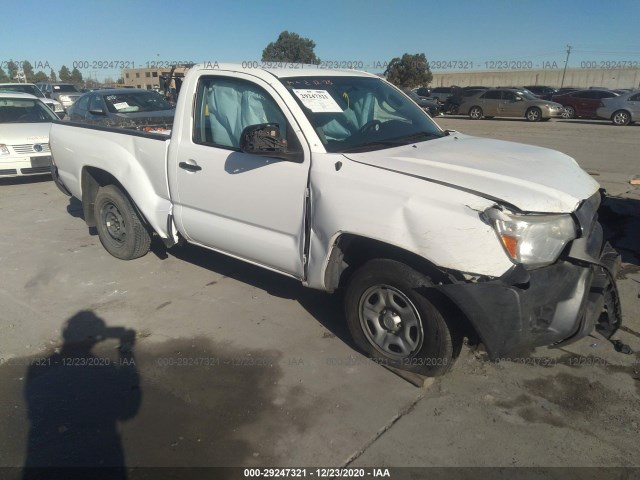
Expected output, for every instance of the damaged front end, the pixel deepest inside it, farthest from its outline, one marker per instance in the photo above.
(553, 295)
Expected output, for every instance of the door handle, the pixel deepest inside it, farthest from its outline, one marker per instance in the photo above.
(191, 167)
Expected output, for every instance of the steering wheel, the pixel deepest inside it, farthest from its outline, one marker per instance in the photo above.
(371, 125)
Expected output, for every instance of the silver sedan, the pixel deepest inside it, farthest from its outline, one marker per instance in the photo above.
(621, 110)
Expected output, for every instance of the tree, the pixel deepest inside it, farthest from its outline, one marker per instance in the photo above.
(52, 76)
(12, 68)
(76, 76)
(28, 71)
(409, 71)
(4, 78)
(64, 74)
(40, 76)
(291, 47)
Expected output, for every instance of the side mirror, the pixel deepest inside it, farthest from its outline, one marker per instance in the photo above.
(264, 139)
(96, 111)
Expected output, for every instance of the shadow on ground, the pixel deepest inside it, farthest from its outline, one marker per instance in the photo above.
(620, 219)
(103, 399)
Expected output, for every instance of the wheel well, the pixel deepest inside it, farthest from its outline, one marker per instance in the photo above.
(91, 180)
(621, 110)
(352, 251)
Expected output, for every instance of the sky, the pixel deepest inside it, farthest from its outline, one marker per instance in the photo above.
(476, 35)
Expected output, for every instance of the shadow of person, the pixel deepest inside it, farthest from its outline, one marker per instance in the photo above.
(75, 400)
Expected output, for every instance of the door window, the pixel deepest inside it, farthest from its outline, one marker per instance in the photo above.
(226, 106)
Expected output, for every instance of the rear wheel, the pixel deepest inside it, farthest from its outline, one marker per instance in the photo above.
(120, 229)
(621, 118)
(533, 114)
(392, 320)
(475, 113)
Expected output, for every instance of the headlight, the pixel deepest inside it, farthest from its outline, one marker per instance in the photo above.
(3, 149)
(64, 98)
(533, 240)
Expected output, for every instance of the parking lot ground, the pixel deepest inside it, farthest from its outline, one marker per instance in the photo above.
(235, 365)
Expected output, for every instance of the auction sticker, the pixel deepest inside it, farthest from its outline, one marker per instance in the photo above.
(318, 101)
(121, 105)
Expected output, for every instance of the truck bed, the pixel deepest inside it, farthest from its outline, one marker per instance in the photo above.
(137, 159)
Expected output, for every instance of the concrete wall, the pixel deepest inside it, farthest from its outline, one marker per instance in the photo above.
(575, 77)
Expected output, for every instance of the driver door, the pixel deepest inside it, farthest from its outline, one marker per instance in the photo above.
(246, 205)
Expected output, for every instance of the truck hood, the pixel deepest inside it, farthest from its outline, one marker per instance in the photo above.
(532, 179)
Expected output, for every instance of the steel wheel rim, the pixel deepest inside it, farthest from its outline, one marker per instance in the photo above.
(567, 112)
(114, 223)
(533, 114)
(620, 118)
(390, 321)
(475, 113)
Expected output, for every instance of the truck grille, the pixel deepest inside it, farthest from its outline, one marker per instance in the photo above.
(29, 148)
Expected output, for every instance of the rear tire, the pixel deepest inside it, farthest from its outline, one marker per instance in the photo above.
(120, 229)
(475, 113)
(393, 322)
(621, 118)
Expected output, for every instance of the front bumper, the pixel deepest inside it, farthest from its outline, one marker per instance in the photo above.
(553, 305)
(28, 165)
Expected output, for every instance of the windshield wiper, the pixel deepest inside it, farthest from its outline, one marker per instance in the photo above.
(415, 136)
(393, 142)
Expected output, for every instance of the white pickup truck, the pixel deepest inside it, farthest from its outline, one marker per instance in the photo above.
(338, 179)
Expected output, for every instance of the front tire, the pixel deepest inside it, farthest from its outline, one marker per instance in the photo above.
(475, 113)
(120, 229)
(534, 114)
(569, 112)
(621, 118)
(393, 322)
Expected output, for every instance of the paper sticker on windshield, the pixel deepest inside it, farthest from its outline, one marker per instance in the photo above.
(317, 100)
(121, 105)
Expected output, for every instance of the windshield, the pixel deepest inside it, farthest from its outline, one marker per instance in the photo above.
(22, 110)
(30, 89)
(135, 102)
(358, 114)
(526, 95)
(65, 88)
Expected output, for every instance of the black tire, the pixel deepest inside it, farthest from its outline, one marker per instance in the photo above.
(569, 112)
(475, 113)
(621, 118)
(533, 114)
(121, 232)
(417, 335)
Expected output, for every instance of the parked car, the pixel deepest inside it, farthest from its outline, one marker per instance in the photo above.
(123, 107)
(24, 135)
(423, 92)
(338, 180)
(583, 103)
(31, 89)
(563, 90)
(509, 102)
(430, 106)
(621, 110)
(65, 93)
(442, 93)
(452, 104)
(542, 91)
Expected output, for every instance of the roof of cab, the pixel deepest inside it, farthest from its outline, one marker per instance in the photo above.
(281, 69)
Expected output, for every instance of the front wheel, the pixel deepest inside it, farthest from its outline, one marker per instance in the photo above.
(392, 321)
(534, 114)
(120, 229)
(621, 118)
(569, 112)
(475, 113)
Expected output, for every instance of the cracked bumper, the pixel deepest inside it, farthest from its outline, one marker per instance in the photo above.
(556, 304)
